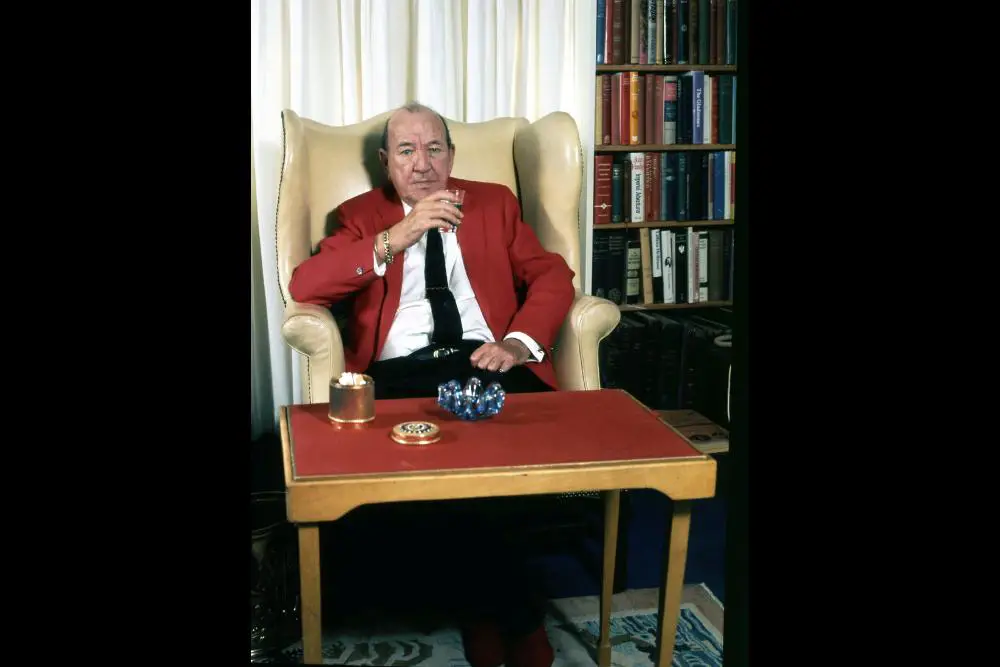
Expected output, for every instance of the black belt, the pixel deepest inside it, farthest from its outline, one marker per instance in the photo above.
(441, 351)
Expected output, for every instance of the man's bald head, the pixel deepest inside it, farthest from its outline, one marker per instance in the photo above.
(414, 107)
(417, 152)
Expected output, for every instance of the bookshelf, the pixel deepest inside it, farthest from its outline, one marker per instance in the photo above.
(662, 230)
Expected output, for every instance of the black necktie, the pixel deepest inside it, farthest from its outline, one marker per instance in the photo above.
(447, 321)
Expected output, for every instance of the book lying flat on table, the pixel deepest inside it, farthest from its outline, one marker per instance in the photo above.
(706, 436)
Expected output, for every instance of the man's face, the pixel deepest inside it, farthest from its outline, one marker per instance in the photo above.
(418, 160)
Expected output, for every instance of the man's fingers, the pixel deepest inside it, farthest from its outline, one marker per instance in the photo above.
(439, 221)
(484, 363)
(504, 362)
(492, 357)
(441, 224)
(448, 212)
(489, 361)
(478, 354)
(444, 210)
(438, 196)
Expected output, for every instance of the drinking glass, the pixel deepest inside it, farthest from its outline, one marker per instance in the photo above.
(456, 197)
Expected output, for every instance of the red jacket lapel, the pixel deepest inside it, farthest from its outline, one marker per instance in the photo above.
(472, 240)
(390, 211)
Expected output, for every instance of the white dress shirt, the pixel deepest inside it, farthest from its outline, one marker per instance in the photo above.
(414, 322)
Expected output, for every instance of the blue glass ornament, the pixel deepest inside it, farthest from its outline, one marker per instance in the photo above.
(472, 401)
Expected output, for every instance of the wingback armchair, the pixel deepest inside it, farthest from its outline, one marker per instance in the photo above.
(540, 162)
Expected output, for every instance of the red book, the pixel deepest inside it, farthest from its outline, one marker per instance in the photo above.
(617, 13)
(658, 108)
(606, 108)
(625, 109)
(647, 185)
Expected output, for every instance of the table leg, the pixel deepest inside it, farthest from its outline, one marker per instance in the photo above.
(612, 505)
(673, 582)
(312, 626)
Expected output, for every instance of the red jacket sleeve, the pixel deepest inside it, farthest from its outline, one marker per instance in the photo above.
(548, 279)
(343, 264)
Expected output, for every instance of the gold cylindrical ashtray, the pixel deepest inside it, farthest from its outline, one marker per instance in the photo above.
(352, 403)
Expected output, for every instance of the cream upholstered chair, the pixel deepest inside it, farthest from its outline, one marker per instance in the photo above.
(540, 162)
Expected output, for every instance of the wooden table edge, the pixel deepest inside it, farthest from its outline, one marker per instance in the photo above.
(327, 498)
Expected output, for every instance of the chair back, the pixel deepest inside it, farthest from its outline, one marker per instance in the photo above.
(324, 165)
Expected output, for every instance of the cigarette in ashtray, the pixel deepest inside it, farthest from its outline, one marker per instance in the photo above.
(352, 379)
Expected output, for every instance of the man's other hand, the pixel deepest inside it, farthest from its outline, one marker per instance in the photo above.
(500, 356)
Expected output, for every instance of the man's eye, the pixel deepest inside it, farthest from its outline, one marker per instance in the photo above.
(435, 150)
(406, 151)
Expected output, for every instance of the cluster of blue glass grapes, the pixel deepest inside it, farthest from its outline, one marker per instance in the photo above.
(472, 401)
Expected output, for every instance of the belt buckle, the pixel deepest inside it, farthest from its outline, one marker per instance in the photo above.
(444, 352)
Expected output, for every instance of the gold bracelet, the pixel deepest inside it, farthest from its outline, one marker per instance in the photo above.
(385, 246)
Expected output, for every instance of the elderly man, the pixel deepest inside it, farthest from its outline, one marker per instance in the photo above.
(441, 293)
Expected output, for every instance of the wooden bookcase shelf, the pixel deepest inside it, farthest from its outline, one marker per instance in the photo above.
(661, 224)
(656, 148)
(666, 68)
(673, 306)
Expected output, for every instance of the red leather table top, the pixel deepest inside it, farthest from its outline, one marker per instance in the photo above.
(533, 429)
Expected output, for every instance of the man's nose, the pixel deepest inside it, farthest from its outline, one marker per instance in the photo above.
(422, 162)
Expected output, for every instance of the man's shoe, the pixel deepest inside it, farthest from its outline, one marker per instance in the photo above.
(532, 650)
(483, 644)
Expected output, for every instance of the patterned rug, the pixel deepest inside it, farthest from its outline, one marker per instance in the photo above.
(573, 636)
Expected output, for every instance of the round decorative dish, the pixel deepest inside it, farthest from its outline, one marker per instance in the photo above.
(416, 433)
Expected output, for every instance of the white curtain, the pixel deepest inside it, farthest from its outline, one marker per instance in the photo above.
(341, 61)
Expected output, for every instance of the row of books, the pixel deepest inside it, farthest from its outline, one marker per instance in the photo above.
(668, 266)
(632, 108)
(678, 186)
(666, 32)
(670, 361)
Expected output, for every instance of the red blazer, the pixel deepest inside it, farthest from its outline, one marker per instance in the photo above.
(501, 254)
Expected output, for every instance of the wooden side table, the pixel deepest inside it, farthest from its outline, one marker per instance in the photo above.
(555, 442)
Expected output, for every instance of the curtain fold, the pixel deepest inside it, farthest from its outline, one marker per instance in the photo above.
(341, 61)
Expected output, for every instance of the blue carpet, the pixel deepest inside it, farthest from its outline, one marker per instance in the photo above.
(565, 575)
(573, 632)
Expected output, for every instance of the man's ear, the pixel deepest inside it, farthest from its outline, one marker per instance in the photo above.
(383, 159)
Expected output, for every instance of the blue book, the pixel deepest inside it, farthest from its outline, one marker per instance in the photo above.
(602, 8)
(698, 107)
(718, 186)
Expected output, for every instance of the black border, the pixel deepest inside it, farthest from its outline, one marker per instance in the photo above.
(157, 568)
(737, 609)
(815, 239)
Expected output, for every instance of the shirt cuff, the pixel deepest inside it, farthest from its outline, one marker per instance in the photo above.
(534, 348)
(378, 268)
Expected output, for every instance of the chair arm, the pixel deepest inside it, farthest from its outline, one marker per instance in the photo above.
(590, 320)
(313, 332)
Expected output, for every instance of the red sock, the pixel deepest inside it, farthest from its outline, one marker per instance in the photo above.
(483, 644)
(532, 650)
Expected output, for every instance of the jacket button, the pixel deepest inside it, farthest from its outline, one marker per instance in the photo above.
(359, 270)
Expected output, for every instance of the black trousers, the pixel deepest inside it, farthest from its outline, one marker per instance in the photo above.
(458, 556)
